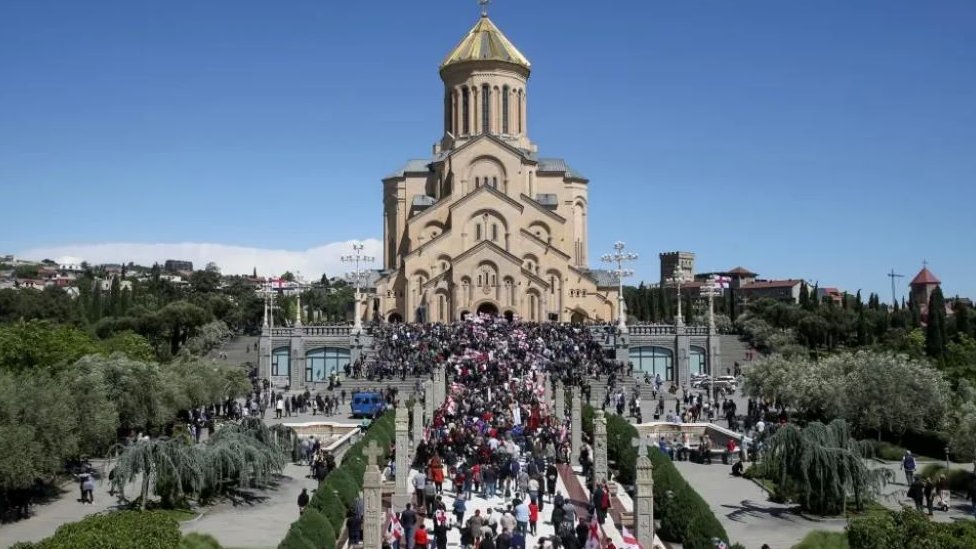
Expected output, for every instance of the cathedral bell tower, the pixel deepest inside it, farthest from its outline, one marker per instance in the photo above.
(485, 80)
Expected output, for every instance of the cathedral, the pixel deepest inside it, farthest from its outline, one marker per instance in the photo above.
(487, 225)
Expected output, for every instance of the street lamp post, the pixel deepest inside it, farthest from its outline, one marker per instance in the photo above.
(711, 289)
(677, 278)
(618, 258)
(269, 323)
(357, 277)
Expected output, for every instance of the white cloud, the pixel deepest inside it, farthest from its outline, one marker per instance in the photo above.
(310, 263)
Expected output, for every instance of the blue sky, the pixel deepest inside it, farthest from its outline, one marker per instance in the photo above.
(829, 140)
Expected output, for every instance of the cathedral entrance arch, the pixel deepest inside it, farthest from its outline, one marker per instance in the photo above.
(465, 315)
(509, 315)
(394, 318)
(488, 308)
(577, 318)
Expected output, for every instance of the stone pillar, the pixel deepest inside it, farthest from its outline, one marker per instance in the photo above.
(576, 425)
(264, 353)
(559, 402)
(683, 348)
(429, 399)
(598, 393)
(401, 492)
(599, 447)
(418, 424)
(372, 497)
(440, 386)
(644, 497)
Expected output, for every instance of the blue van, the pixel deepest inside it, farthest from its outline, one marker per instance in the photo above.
(367, 403)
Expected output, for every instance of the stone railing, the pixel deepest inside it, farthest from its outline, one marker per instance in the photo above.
(696, 330)
(306, 331)
(651, 329)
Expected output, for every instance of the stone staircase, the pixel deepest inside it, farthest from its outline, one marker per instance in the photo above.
(237, 351)
(734, 350)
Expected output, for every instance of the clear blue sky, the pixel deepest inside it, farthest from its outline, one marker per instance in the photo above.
(829, 140)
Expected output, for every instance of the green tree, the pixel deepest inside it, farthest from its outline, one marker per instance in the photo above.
(115, 298)
(822, 467)
(935, 329)
(961, 313)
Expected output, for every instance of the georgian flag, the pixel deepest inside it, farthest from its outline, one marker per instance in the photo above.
(394, 528)
(593, 538)
(440, 517)
(723, 281)
(630, 542)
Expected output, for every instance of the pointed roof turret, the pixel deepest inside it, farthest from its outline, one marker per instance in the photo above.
(925, 278)
(485, 42)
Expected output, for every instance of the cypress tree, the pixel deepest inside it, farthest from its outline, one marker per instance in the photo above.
(935, 329)
(115, 298)
(961, 312)
(95, 311)
(125, 301)
(804, 296)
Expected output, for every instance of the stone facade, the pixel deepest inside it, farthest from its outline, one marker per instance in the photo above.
(485, 224)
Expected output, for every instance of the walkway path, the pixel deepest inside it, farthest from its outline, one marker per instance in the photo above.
(46, 518)
(745, 511)
(261, 523)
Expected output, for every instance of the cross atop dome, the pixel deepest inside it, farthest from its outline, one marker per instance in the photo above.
(484, 7)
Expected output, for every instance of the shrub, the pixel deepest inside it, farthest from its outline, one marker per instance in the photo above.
(119, 530)
(315, 522)
(824, 540)
(960, 480)
(295, 539)
(199, 541)
(873, 531)
(344, 484)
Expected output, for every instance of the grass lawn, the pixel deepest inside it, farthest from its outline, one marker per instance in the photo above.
(824, 540)
(179, 515)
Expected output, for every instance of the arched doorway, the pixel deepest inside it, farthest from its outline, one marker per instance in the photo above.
(465, 314)
(488, 308)
(394, 318)
(577, 318)
(510, 315)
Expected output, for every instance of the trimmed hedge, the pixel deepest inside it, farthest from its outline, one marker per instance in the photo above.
(685, 517)
(198, 541)
(118, 530)
(909, 529)
(325, 516)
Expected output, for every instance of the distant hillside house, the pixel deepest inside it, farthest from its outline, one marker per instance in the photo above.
(178, 266)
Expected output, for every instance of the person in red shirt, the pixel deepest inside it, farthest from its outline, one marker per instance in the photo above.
(533, 516)
(420, 537)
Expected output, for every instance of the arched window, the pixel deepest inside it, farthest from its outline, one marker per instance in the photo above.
(653, 361)
(552, 284)
(281, 362)
(479, 281)
(319, 363)
(494, 232)
(465, 111)
(505, 109)
(520, 99)
(697, 363)
(477, 231)
(477, 182)
(494, 182)
(485, 102)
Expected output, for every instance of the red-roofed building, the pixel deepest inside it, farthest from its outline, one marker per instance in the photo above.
(782, 290)
(922, 287)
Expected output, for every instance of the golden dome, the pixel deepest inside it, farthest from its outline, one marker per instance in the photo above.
(485, 43)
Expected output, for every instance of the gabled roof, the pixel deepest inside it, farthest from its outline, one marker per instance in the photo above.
(924, 278)
(485, 42)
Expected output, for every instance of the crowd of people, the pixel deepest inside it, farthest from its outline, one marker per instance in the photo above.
(496, 436)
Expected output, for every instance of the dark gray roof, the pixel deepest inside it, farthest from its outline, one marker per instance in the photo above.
(423, 200)
(558, 165)
(416, 165)
(603, 277)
